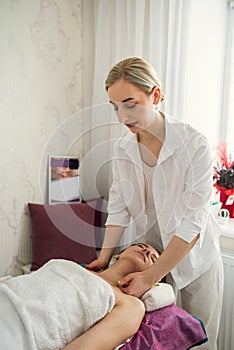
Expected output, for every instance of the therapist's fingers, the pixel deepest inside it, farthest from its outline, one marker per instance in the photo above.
(124, 282)
(128, 285)
(134, 284)
(96, 265)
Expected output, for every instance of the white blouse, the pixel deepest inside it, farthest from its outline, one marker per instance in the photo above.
(182, 184)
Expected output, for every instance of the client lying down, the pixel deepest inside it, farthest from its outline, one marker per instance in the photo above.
(64, 306)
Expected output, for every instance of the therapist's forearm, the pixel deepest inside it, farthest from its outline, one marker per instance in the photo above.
(113, 233)
(176, 250)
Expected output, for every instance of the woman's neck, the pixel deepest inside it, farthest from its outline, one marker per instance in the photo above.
(116, 271)
(155, 131)
(150, 143)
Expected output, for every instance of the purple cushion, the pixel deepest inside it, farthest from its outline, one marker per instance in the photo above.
(99, 229)
(62, 231)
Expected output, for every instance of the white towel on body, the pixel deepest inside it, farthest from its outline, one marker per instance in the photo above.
(50, 307)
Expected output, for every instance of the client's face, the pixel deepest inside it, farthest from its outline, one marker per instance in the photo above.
(143, 255)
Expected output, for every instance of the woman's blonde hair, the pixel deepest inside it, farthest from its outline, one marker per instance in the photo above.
(137, 71)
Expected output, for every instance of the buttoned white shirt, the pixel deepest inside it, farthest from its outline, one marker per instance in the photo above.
(182, 187)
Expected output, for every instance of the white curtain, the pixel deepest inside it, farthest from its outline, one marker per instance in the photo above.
(158, 31)
(227, 120)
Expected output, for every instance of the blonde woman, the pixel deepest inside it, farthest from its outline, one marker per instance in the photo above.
(162, 171)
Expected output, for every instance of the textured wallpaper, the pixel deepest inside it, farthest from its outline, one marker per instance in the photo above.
(40, 88)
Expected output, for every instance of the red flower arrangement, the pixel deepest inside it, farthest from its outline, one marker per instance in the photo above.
(223, 175)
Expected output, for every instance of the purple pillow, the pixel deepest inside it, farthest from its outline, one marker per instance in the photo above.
(62, 231)
(99, 228)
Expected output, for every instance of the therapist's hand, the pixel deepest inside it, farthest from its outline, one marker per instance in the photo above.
(97, 265)
(136, 283)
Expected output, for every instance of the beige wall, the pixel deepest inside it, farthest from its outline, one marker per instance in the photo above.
(40, 87)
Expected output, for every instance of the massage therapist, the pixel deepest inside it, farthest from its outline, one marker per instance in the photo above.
(162, 183)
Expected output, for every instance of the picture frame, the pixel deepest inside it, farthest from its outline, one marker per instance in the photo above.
(63, 179)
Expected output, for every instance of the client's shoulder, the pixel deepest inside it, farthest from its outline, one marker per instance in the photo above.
(128, 301)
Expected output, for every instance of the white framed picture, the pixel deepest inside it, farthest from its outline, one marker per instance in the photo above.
(64, 184)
